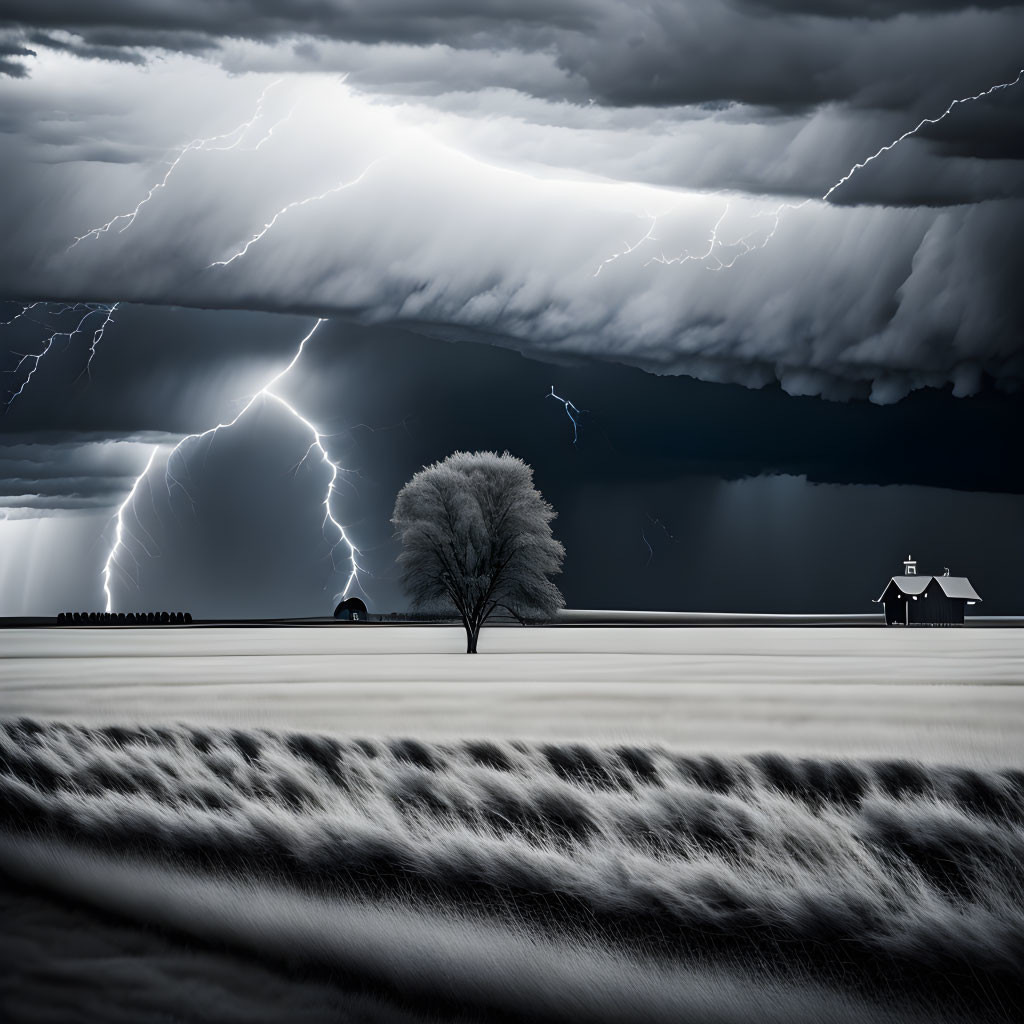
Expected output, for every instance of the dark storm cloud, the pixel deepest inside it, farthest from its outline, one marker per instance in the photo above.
(9, 49)
(702, 459)
(878, 297)
(194, 25)
(660, 54)
(163, 373)
(868, 8)
(40, 474)
(844, 302)
(406, 20)
(750, 66)
(74, 442)
(675, 54)
(87, 51)
(661, 446)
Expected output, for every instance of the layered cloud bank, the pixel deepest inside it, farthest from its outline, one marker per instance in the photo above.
(575, 180)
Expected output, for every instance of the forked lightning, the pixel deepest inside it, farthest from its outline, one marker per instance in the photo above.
(316, 445)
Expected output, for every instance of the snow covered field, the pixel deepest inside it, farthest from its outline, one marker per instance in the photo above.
(949, 695)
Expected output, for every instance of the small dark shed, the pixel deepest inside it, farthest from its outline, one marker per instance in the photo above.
(351, 610)
(912, 600)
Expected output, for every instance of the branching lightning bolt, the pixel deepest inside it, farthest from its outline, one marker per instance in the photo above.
(339, 187)
(97, 337)
(744, 242)
(776, 214)
(998, 87)
(33, 359)
(119, 532)
(686, 257)
(569, 410)
(316, 445)
(210, 144)
(630, 248)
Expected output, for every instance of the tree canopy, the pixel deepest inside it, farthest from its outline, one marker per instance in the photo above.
(476, 538)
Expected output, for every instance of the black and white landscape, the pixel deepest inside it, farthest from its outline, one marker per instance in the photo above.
(734, 285)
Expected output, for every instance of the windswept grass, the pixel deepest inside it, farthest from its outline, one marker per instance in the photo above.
(889, 882)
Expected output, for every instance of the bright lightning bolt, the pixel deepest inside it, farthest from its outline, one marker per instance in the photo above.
(341, 186)
(207, 145)
(569, 410)
(776, 214)
(925, 121)
(119, 533)
(316, 445)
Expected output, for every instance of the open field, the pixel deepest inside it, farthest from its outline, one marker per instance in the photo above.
(603, 825)
(506, 880)
(938, 694)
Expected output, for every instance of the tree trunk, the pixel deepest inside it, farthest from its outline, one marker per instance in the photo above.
(472, 632)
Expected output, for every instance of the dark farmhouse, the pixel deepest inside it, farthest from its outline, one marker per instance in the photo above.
(912, 600)
(351, 610)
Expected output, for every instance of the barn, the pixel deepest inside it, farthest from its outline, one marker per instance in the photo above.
(351, 610)
(913, 600)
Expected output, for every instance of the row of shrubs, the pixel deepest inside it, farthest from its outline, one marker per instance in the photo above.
(124, 618)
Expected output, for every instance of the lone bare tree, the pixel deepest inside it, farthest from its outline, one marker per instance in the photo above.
(476, 535)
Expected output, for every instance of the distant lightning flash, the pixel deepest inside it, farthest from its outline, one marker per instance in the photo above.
(341, 186)
(657, 522)
(569, 410)
(650, 550)
(744, 243)
(643, 533)
(207, 145)
(316, 445)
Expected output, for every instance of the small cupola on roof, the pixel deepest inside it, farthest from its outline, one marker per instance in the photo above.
(913, 600)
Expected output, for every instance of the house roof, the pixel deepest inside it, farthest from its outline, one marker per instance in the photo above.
(957, 586)
(952, 586)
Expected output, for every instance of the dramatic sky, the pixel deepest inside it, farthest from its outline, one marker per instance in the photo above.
(800, 353)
